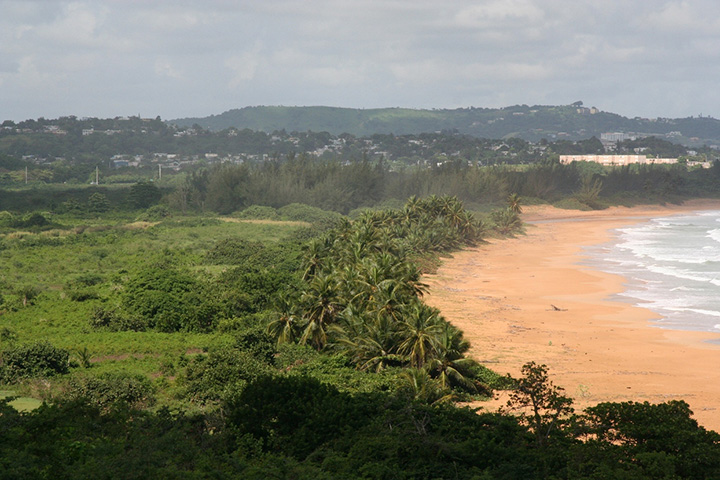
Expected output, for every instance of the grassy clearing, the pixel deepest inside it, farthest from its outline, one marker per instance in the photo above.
(22, 404)
(50, 283)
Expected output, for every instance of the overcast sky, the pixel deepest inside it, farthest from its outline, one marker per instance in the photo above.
(175, 58)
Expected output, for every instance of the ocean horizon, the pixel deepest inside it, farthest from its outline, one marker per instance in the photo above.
(671, 266)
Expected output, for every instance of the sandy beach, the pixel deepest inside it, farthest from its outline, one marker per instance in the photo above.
(504, 295)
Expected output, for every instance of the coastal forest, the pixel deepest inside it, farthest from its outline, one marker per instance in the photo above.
(262, 316)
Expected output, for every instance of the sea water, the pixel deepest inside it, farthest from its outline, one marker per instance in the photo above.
(672, 267)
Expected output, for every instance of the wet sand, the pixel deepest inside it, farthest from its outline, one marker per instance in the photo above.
(529, 299)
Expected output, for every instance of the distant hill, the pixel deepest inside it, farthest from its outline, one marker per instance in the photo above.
(571, 122)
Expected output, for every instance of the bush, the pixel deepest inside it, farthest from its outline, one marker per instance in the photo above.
(259, 343)
(300, 212)
(223, 373)
(6, 219)
(296, 415)
(35, 220)
(144, 194)
(259, 212)
(40, 359)
(253, 290)
(98, 203)
(82, 294)
(85, 280)
(506, 221)
(154, 214)
(110, 389)
(169, 300)
(113, 320)
(235, 251)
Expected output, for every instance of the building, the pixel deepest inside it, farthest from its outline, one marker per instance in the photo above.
(617, 136)
(615, 160)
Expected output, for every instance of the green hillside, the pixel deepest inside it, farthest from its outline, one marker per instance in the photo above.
(531, 123)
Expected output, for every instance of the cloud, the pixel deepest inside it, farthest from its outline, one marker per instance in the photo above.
(499, 14)
(165, 68)
(220, 54)
(244, 66)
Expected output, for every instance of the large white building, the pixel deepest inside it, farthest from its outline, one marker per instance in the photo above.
(615, 160)
(616, 136)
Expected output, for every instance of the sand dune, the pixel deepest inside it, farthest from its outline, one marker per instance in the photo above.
(527, 298)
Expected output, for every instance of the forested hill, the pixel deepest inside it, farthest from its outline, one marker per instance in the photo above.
(532, 123)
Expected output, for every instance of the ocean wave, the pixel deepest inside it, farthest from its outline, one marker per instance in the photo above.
(682, 273)
(683, 288)
(711, 313)
(695, 257)
(671, 266)
(714, 234)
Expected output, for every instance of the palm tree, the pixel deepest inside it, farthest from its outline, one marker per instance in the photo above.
(285, 328)
(420, 332)
(412, 209)
(316, 251)
(320, 307)
(450, 366)
(418, 385)
(369, 340)
(506, 221)
(513, 201)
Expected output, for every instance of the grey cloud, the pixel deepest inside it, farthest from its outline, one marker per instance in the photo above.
(179, 58)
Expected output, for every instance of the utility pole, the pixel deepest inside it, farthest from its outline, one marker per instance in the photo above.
(159, 171)
(97, 176)
(25, 174)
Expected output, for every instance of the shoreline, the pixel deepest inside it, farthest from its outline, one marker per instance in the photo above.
(502, 294)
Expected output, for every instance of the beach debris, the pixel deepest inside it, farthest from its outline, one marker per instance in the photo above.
(557, 309)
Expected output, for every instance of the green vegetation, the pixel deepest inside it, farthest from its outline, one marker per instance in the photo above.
(195, 346)
(299, 427)
(231, 322)
(362, 289)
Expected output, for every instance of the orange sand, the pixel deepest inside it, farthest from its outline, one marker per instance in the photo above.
(501, 295)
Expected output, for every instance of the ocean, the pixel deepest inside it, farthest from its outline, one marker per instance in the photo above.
(672, 267)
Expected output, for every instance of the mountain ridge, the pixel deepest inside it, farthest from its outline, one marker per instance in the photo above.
(531, 123)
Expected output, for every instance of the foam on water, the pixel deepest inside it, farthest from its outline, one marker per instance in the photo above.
(715, 235)
(672, 266)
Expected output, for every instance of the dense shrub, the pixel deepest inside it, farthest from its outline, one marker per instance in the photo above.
(295, 415)
(110, 389)
(86, 280)
(258, 212)
(115, 321)
(35, 219)
(98, 203)
(236, 251)
(39, 359)
(253, 290)
(82, 294)
(144, 194)
(222, 373)
(305, 213)
(259, 343)
(154, 214)
(170, 300)
(6, 219)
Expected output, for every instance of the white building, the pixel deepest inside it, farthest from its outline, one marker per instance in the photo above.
(615, 160)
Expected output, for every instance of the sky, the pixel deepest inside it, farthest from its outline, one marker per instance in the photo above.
(176, 58)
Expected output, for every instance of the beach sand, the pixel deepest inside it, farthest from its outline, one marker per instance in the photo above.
(503, 295)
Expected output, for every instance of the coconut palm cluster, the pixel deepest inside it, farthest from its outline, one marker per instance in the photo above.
(363, 293)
